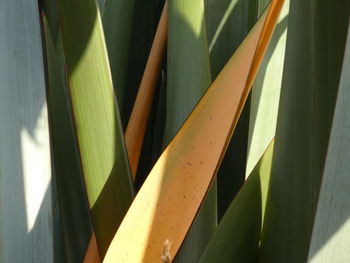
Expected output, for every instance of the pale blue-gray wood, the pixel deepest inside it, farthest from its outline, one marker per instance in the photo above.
(26, 201)
(331, 234)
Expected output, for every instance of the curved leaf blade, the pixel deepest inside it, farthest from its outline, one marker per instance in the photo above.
(189, 75)
(309, 87)
(236, 239)
(266, 92)
(188, 164)
(117, 24)
(75, 217)
(96, 117)
(135, 131)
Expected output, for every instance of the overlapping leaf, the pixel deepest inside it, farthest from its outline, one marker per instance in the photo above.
(188, 77)
(310, 81)
(236, 239)
(75, 216)
(175, 188)
(96, 117)
(330, 237)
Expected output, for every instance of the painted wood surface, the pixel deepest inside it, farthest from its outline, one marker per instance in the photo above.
(26, 201)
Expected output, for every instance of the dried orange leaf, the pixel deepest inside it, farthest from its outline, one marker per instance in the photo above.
(171, 195)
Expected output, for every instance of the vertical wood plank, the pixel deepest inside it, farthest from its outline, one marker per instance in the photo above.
(26, 203)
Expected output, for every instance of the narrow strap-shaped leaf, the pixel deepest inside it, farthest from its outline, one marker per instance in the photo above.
(52, 17)
(330, 238)
(176, 186)
(227, 25)
(188, 62)
(266, 92)
(137, 123)
(313, 61)
(228, 22)
(117, 24)
(136, 128)
(146, 19)
(189, 75)
(76, 227)
(99, 132)
(236, 239)
(27, 195)
(266, 34)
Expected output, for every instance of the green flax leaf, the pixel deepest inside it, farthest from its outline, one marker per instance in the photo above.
(314, 55)
(266, 91)
(188, 77)
(76, 226)
(118, 24)
(236, 238)
(228, 22)
(330, 239)
(96, 117)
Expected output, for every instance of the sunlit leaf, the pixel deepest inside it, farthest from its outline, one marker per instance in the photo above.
(172, 193)
(96, 117)
(136, 128)
(236, 239)
(314, 54)
(228, 22)
(76, 228)
(266, 91)
(188, 77)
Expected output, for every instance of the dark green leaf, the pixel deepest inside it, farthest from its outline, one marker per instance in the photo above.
(228, 22)
(188, 77)
(314, 54)
(331, 232)
(236, 238)
(117, 23)
(76, 227)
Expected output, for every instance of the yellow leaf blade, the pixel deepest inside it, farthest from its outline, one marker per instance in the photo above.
(176, 186)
